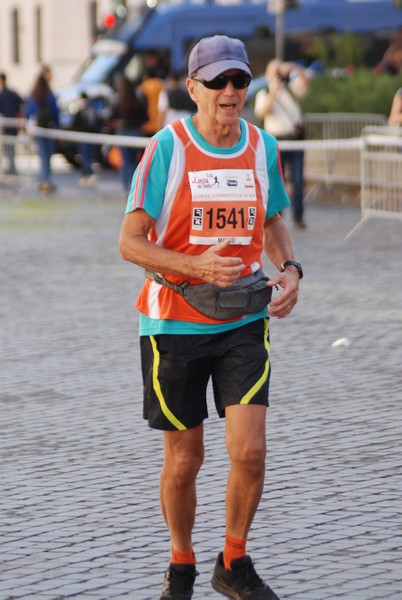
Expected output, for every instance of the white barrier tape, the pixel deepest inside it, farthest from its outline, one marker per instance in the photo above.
(382, 140)
(74, 136)
(141, 142)
(88, 138)
(347, 144)
(12, 122)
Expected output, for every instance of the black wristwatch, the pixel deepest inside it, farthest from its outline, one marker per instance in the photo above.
(292, 263)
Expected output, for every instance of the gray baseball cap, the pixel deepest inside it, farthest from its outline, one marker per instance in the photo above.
(211, 56)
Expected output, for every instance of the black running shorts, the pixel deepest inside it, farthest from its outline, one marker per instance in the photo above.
(176, 370)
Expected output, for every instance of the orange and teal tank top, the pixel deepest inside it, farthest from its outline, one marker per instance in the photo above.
(200, 195)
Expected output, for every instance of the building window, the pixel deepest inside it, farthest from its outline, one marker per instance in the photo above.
(15, 28)
(38, 34)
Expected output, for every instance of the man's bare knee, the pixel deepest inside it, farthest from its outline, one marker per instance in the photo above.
(250, 454)
(183, 463)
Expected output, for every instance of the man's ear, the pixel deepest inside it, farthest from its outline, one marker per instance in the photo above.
(192, 89)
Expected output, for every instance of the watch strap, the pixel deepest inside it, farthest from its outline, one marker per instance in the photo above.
(292, 263)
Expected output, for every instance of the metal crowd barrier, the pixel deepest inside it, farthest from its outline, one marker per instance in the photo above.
(381, 174)
(330, 165)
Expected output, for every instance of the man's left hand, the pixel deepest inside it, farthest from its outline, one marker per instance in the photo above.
(282, 305)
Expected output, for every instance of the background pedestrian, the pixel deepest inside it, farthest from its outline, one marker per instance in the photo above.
(86, 121)
(280, 110)
(395, 115)
(174, 101)
(129, 115)
(41, 107)
(11, 106)
(151, 86)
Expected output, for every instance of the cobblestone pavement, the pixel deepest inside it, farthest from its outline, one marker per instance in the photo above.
(79, 468)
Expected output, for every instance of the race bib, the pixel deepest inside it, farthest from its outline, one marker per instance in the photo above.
(223, 206)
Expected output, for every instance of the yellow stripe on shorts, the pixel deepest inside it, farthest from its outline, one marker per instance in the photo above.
(164, 407)
(258, 384)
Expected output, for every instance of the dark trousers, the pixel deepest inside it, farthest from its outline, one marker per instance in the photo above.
(130, 157)
(293, 162)
(86, 151)
(46, 147)
(9, 153)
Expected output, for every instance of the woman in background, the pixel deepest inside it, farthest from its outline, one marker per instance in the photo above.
(41, 107)
(130, 113)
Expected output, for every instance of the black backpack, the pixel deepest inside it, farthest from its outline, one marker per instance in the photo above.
(44, 115)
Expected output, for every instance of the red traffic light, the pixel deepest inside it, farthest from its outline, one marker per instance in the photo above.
(109, 20)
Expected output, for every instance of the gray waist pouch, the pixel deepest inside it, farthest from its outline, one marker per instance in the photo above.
(248, 295)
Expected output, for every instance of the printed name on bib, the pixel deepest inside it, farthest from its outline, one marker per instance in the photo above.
(224, 206)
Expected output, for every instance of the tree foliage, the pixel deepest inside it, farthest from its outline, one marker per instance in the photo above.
(358, 91)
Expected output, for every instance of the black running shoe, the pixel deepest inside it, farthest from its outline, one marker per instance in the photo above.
(242, 582)
(179, 582)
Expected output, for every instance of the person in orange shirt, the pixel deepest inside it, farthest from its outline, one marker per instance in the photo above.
(151, 86)
(204, 206)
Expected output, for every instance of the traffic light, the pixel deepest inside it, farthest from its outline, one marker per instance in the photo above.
(116, 16)
(109, 20)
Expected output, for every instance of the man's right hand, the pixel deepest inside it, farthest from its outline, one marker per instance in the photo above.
(219, 270)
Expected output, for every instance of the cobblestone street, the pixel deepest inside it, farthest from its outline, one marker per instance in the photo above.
(80, 469)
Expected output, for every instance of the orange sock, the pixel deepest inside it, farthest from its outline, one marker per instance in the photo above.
(183, 558)
(234, 548)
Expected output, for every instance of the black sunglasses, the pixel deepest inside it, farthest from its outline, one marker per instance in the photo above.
(239, 81)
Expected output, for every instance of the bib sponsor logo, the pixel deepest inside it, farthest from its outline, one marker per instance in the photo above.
(207, 180)
(224, 206)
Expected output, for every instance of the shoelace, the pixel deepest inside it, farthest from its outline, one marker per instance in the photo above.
(252, 577)
(181, 581)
